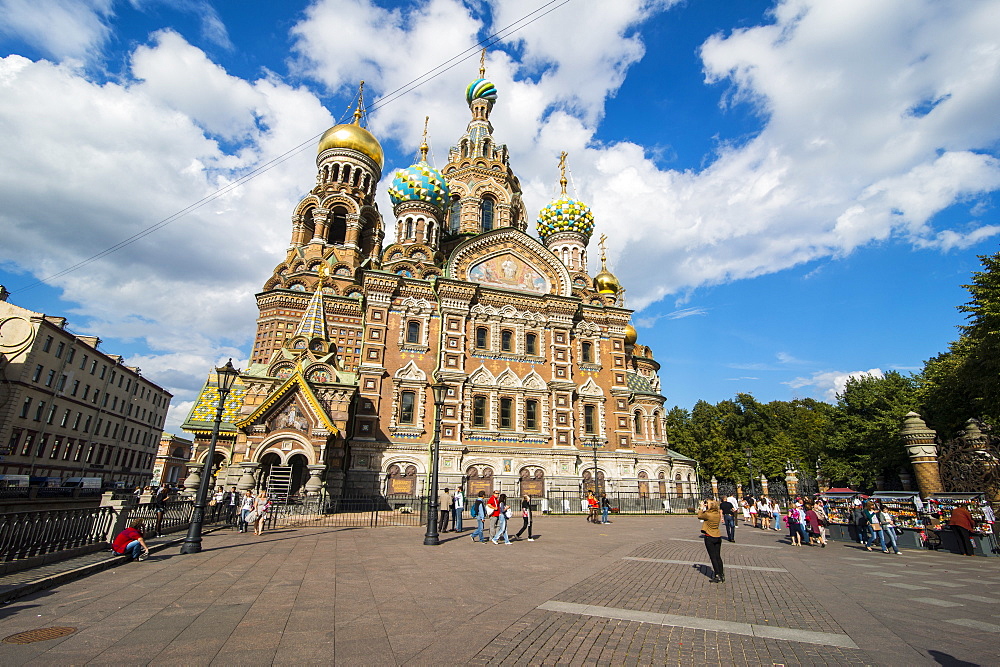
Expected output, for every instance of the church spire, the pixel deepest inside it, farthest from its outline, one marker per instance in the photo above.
(313, 324)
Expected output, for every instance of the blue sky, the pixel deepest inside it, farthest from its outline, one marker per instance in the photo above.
(793, 191)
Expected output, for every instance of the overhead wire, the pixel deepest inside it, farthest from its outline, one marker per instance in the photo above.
(388, 98)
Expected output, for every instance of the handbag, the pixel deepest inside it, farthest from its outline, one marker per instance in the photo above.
(253, 516)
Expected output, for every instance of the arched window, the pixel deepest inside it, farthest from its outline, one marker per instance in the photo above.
(531, 415)
(479, 411)
(589, 419)
(409, 229)
(656, 424)
(587, 349)
(338, 225)
(455, 216)
(406, 401)
(482, 338)
(413, 332)
(357, 177)
(531, 344)
(506, 413)
(486, 211)
(507, 340)
(335, 174)
(347, 173)
(637, 423)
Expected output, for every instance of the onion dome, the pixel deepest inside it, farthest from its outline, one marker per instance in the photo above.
(565, 214)
(420, 182)
(354, 137)
(481, 89)
(605, 281)
(630, 334)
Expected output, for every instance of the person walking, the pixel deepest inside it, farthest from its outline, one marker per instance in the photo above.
(776, 514)
(246, 506)
(457, 510)
(888, 530)
(710, 518)
(592, 507)
(764, 513)
(444, 510)
(231, 501)
(728, 510)
(261, 508)
(479, 513)
(745, 510)
(502, 517)
(527, 516)
(961, 522)
(812, 523)
(130, 542)
(860, 519)
(874, 527)
(792, 521)
(752, 508)
(160, 507)
(605, 508)
(822, 521)
(493, 506)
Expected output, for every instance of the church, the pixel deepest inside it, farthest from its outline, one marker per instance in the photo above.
(542, 365)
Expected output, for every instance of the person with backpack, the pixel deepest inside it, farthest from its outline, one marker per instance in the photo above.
(503, 513)
(728, 509)
(528, 517)
(479, 514)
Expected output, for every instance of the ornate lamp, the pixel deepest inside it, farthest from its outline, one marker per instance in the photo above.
(440, 391)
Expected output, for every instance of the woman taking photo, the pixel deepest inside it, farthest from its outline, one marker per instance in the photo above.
(710, 517)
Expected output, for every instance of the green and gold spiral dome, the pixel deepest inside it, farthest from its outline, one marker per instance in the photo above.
(565, 215)
(481, 89)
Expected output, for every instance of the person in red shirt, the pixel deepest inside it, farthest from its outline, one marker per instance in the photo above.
(493, 507)
(961, 522)
(130, 542)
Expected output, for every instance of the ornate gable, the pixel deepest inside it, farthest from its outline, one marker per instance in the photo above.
(482, 377)
(508, 258)
(590, 388)
(275, 409)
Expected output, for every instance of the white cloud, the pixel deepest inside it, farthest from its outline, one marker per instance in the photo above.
(64, 29)
(828, 384)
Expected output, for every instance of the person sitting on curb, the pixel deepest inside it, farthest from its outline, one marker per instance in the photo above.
(130, 542)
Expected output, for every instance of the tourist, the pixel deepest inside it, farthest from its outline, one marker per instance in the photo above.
(860, 519)
(888, 529)
(820, 510)
(493, 505)
(457, 509)
(605, 508)
(728, 510)
(217, 497)
(444, 510)
(160, 507)
(792, 521)
(752, 509)
(763, 513)
(130, 542)
(874, 527)
(527, 516)
(502, 516)
(479, 513)
(776, 514)
(231, 501)
(246, 506)
(745, 510)
(961, 523)
(592, 507)
(812, 523)
(261, 508)
(710, 517)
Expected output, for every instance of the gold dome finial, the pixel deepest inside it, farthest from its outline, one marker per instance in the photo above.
(562, 171)
(482, 64)
(359, 110)
(423, 145)
(605, 281)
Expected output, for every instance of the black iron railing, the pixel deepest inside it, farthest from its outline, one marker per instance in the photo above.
(28, 534)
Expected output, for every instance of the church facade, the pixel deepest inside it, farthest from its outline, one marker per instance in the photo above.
(542, 365)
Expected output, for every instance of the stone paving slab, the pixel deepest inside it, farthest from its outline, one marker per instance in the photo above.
(378, 596)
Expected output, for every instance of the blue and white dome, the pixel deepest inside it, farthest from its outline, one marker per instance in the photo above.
(420, 182)
(481, 89)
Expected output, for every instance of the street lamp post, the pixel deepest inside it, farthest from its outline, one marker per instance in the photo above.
(226, 377)
(440, 390)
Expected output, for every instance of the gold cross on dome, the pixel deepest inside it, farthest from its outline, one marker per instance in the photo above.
(482, 64)
(562, 171)
(604, 237)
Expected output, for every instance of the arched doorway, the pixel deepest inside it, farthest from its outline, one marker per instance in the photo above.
(478, 480)
(588, 481)
(267, 461)
(402, 481)
(643, 484)
(300, 473)
(532, 482)
(678, 485)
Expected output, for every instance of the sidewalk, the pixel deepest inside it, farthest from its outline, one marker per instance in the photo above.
(633, 592)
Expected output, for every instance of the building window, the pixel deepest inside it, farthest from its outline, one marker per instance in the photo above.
(338, 226)
(506, 413)
(72, 353)
(589, 419)
(406, 400)
(62, 383)
(408, 234)
(531, 344)
(587, 348)
(637, 423)
(86, 424)
(479, 411)
(48, 344)
(413, 332)
(531, 416)
(49, 378)
(656, 424)
(15, 436)
(482, 338)
(39, 410)
(93, 366)
(25, 407)
(83, 362)
(60, 348)
(455, 216)
(38, 373)
(65, 417)
(486, 212)
(52, 414)
(507, 340)
(56, 445)
(26, 447)
(76, 385)
(76, 422)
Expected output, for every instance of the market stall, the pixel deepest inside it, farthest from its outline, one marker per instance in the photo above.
(938, 508)
(839, 506)
(906, 510)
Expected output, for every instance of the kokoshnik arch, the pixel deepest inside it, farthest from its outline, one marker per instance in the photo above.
(541, 360)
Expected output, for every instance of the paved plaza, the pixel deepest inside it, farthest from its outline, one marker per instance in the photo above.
(635, 592)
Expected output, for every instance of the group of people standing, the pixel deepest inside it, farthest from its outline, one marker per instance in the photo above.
(595, 507)
(243, 509)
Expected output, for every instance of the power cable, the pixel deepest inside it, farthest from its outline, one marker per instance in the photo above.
(390, 97)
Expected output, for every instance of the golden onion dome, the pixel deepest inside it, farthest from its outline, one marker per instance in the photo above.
(354, 137)
(630, 334)
(606, 283)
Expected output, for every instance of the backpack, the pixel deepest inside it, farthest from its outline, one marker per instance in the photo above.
(476, 510)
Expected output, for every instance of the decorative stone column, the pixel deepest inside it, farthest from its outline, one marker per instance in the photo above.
(919, 443)
(193, 479)
(314, 484)
(248, 476)
(715, 487)
(763, 485)
(792, 481)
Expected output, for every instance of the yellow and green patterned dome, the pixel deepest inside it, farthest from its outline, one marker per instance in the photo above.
(420, 182)
(565, 215)
(481, 89)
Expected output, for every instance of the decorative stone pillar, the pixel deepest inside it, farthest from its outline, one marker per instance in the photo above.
(248, 477)
(314, 484)
(763, 485)
(715, 487)
(792, 481)
(919, 443)
(193, 479)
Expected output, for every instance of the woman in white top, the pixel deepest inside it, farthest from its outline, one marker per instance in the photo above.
(764, 513)
(245, 508)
